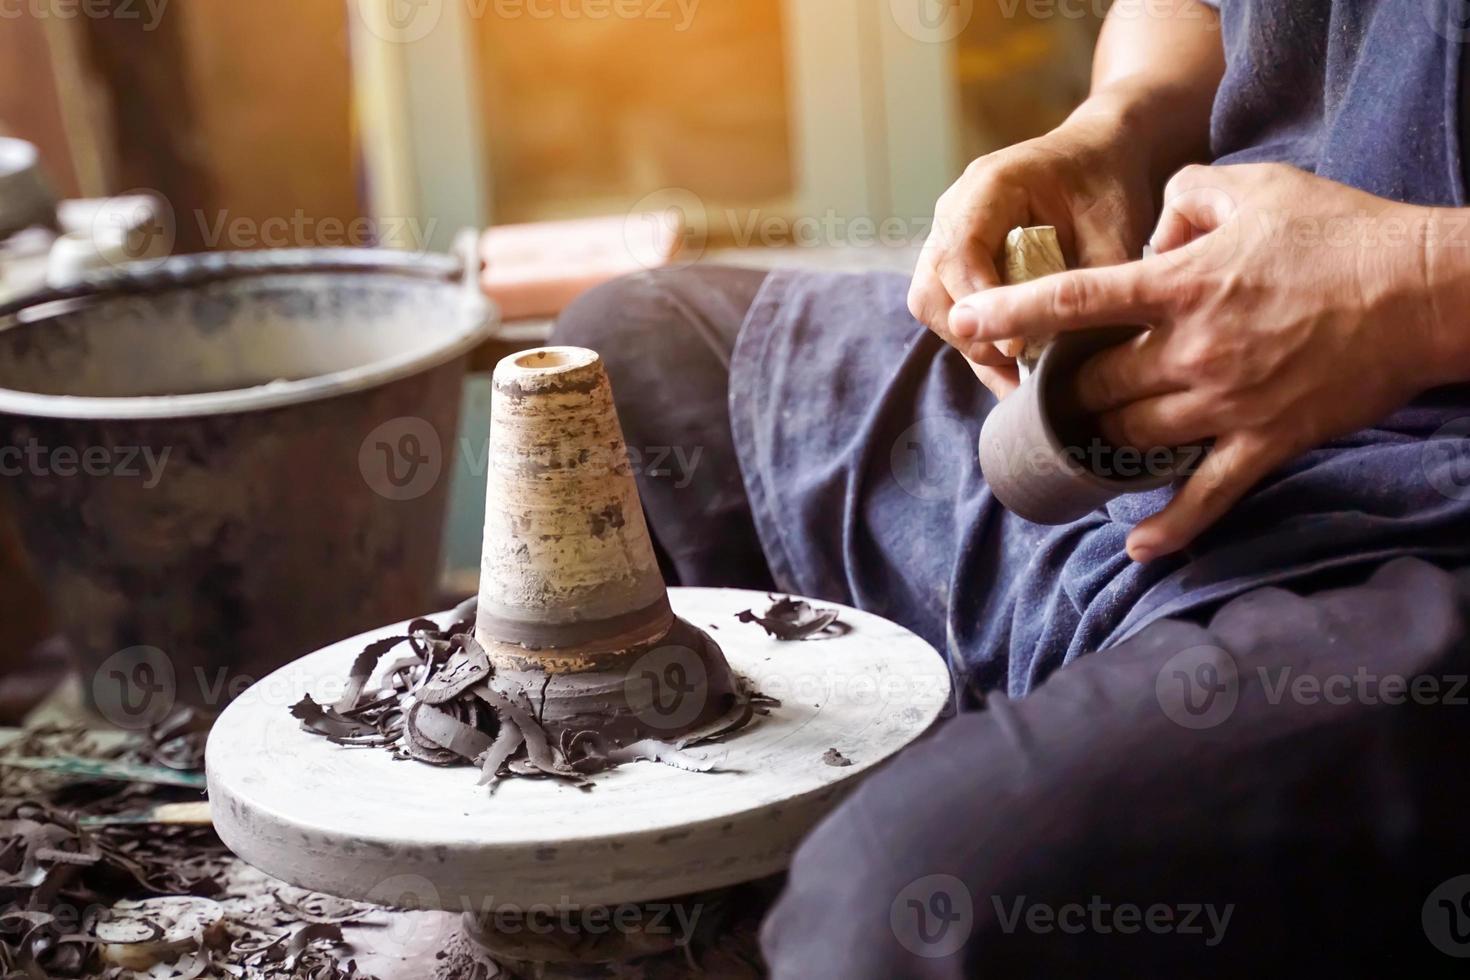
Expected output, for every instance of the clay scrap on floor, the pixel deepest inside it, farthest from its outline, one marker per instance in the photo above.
(122, 879)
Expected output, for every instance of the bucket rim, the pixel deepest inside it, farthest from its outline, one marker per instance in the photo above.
(478, 320)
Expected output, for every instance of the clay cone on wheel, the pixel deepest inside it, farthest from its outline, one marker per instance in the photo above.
(572, 605)
(568, 573)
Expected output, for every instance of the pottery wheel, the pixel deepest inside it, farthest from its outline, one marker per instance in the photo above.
(356, 823)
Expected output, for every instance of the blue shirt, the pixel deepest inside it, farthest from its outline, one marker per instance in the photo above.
(856, 428)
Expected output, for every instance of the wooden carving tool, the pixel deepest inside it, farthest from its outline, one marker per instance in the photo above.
(1030, 254)
(194, 814)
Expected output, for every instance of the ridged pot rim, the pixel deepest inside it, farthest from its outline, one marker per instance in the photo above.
(476, 325)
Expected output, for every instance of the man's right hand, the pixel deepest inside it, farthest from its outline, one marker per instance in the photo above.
(1081, 177)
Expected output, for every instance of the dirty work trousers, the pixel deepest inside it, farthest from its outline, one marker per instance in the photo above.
(1273, 784)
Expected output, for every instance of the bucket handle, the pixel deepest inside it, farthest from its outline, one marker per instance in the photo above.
(466, 249)
(190, 270)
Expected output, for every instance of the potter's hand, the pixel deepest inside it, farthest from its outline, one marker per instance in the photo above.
(1081, 178)
(1285, 310)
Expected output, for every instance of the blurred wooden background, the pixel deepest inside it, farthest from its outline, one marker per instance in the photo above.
(245, 110)
(235, 110)
(584, 116)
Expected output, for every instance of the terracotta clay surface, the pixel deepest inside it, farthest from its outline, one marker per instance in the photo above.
(357, 823)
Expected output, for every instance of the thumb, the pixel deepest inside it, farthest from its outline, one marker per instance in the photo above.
(1196, 203)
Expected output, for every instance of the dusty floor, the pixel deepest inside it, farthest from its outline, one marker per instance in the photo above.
(272, 929)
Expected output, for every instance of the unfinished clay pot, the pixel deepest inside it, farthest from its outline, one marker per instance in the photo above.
(571, 597)
(1043, 456)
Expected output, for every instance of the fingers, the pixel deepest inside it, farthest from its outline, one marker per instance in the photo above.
(1126, 373)
(964, 263)
(967, 262)
(1178, 419)
(971, 222)
(1196, 202)
(1012, 348)
(929, 303)
(1000, 380)
(1119, 294)
(990, 355)
(1233, 467)
(1174, 231)
(928, 300)
(1097, 244)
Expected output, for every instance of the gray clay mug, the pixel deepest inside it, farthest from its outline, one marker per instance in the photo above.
(1044, 457)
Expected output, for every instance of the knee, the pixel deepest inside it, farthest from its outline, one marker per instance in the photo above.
(915, 873)
(618, 318)
(894, 881)
(848, 911)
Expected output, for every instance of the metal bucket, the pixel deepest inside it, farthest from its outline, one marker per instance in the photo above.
(223, 462)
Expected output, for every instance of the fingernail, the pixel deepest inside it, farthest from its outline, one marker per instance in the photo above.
(963, 322)
(1142, 554)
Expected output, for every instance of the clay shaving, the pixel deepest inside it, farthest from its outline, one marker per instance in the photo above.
(436, 704)
(791, 619)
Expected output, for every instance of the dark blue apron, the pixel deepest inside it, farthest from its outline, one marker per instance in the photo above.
(856, 428)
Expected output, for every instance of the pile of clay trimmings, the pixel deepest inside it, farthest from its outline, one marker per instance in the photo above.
(436, 704)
